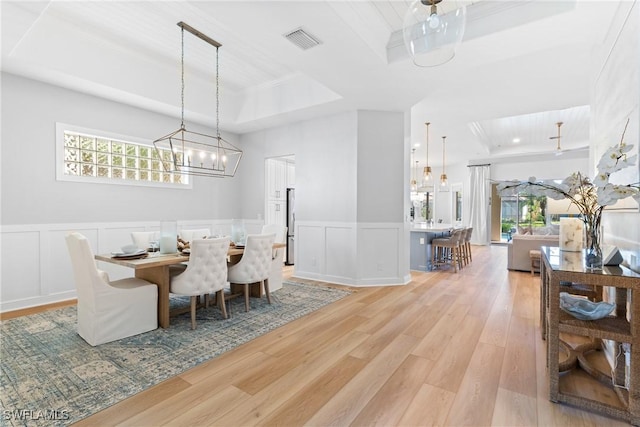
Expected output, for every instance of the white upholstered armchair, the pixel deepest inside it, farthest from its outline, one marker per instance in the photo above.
(109, 310)
(275, 274)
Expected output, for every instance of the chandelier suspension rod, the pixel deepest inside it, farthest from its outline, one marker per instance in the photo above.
(412, 169)
(182, 78)
(216, 157)
(217, 93)
(428, 123)
(443, 138)
(426, 171)
(198, 34)
(184, 26)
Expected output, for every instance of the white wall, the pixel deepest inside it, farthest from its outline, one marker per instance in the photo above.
(381, 241)
(349, 214)
(554, 167)
(325, 153)
(616, 98)
(30, 192)
(380, 166)
(37, 211)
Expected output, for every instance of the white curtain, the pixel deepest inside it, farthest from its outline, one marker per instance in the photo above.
(480, 189)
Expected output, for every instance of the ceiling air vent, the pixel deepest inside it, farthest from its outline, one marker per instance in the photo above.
(302, 39)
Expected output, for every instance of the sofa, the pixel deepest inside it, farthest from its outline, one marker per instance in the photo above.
(518, 249)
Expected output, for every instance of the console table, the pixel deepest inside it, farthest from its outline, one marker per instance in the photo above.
(561, 271)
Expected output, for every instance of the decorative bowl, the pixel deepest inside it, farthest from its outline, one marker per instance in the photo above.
(129, 249)
(583, 309)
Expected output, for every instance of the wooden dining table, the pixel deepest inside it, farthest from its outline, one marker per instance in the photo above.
(155, 268)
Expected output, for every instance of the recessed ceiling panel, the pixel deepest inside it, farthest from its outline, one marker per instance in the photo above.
(534, 132)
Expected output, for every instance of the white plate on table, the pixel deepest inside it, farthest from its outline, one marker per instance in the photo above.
(119, 254)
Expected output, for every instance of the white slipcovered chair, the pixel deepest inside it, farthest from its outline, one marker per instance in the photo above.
(194, 234)
(206, 273)
(254, 266)
(142, 239)
(277, 261)
(108, 311)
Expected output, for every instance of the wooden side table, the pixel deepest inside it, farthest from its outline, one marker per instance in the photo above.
(534, 256)
(561, 269)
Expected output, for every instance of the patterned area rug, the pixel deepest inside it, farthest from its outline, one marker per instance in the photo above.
(51, 376)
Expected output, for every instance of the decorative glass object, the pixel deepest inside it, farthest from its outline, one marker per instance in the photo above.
(168, 237)
(433, 29)
(238, 235)
(583, 309)
(593, 249)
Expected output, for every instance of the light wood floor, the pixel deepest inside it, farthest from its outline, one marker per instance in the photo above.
(447, 349)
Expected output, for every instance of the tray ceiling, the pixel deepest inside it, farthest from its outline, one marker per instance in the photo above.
(520, 65)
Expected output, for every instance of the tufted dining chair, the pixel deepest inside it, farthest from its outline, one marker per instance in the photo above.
(142, 239)
(206, 273)
(109, 310)
(254, 267)
(194, 234)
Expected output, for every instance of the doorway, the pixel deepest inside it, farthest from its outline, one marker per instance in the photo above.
(280, 198)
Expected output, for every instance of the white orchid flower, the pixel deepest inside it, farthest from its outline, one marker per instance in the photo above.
(615, 159)
(601, 180)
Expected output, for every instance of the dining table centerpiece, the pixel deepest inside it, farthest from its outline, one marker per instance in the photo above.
(589, 196)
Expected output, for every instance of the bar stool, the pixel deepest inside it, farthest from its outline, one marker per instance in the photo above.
(463, 251)
(466, 246)
(447, 251)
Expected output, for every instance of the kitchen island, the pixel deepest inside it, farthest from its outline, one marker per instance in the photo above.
(422, 233)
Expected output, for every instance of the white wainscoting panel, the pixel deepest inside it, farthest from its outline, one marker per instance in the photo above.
(340, 253)
(379, 255)
(21, 265)
(58, 261)
(35, 265)
(356, 254)
(309, 249)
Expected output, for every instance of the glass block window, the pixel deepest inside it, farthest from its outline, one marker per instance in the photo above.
(88, 155)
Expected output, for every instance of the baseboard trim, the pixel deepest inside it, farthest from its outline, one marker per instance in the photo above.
(36, 309)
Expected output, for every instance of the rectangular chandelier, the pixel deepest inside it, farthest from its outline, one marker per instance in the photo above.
(195, 153)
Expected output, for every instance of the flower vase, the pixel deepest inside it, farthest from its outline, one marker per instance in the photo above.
(593, 250)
